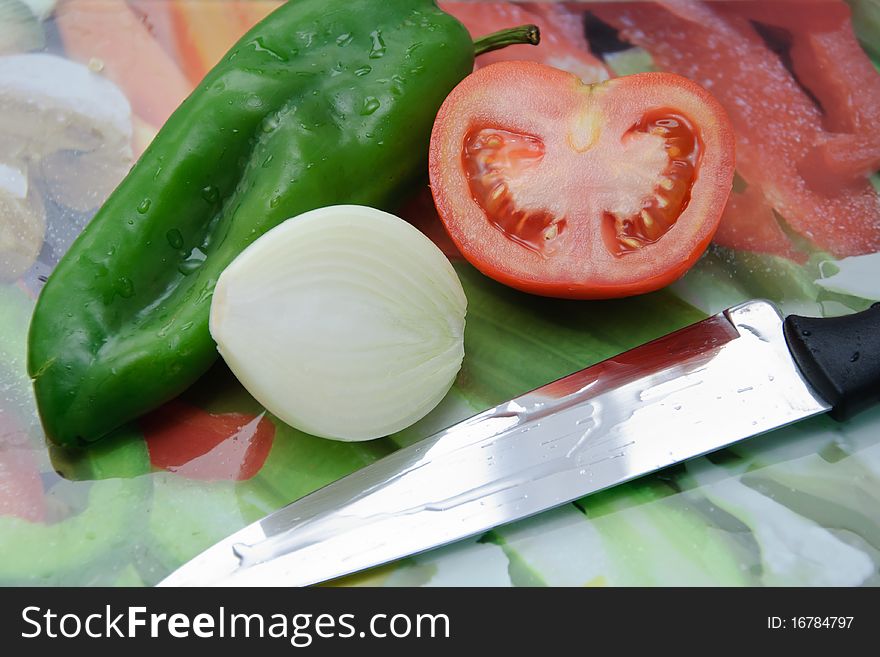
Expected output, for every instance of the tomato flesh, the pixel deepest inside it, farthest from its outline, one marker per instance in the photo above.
(563, 46)
(493, 158)
(581, 191)
(673, 192)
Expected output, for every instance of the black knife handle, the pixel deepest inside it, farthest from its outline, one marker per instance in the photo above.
(840, 357)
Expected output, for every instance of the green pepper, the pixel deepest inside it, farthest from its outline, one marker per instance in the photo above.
(323, 102)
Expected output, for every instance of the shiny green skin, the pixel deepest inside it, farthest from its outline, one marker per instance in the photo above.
(323, 102)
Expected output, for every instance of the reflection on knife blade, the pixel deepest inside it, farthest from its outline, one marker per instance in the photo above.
(693, 391)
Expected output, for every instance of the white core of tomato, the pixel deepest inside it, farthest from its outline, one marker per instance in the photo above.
(345, 322)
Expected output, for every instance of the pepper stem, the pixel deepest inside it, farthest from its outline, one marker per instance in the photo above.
(524, 34)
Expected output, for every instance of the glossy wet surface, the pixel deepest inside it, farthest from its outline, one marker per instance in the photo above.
(795, 507)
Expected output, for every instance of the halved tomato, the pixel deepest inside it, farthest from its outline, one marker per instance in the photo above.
(582, 191)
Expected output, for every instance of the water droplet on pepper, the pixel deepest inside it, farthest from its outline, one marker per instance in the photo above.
(211, 194)
(371, 104)
(259, 45)
(378, 48)
(175, 238)
(193, 262)
(125, 288)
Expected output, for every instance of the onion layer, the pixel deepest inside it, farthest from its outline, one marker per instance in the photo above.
(345, 322)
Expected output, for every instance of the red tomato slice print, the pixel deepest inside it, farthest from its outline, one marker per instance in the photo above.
(212, 446)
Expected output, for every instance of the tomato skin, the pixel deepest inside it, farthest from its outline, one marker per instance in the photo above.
(532, 99)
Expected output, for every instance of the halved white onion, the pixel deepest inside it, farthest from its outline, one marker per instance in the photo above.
(345, 322)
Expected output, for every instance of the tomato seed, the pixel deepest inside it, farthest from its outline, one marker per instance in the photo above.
(491, 157)
(673, 189)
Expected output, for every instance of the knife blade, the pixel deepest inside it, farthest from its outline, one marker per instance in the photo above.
(735, 375)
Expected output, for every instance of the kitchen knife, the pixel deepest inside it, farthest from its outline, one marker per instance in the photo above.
(737, 374)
